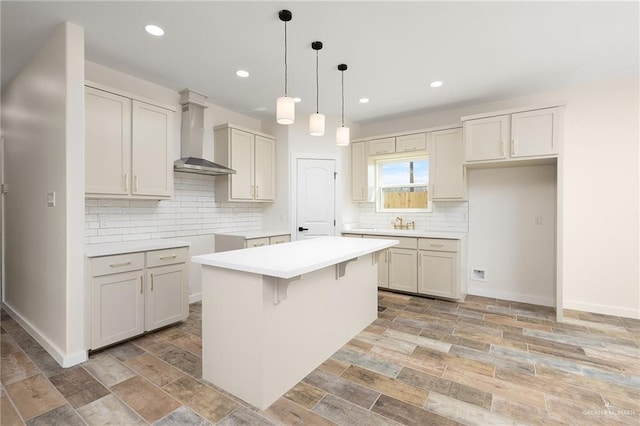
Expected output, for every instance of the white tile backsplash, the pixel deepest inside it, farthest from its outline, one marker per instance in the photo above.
(192, 211)
(447, 216)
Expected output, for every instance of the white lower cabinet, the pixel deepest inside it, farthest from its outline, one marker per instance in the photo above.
(402, 269)
(136, 292)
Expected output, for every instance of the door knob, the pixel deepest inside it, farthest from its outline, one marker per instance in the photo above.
(300, 229)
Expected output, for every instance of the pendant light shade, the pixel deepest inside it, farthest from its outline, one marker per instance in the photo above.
(285, 106)
(342, 133)
(316, 124)
(342, 136)
(285, 110)
(316, 121)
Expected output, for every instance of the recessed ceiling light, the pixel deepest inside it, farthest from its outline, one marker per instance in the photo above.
(297, 100)
(436, 83)
(154, 30)
(363, 100)
(242, 73)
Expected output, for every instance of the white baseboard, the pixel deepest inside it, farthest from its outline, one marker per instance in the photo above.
(65, 360)
(602, 309)
(195, 297)
(515, 297)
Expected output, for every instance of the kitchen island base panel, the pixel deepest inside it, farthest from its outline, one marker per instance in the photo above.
(256, 344)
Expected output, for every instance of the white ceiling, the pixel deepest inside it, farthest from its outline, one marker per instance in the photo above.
(482, 51)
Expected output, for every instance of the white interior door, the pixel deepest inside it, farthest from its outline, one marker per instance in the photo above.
(315, 209)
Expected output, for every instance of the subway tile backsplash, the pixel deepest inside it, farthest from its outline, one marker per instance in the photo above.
(447, 216)
(192, 211)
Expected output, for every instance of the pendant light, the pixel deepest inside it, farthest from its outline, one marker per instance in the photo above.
(316, 121)
(342, 133)
(285, 106)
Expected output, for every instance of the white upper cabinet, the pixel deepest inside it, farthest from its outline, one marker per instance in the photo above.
(407, 143)
(447, 178)
(486, 138)
(359, 171)
(535, 133)
(128, 146)
(518, 135)
(382, 146)
(152, 166)
(252, 155)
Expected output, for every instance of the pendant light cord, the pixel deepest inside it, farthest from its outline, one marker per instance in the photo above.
(342, 72)
(285, 58)
(317, 86)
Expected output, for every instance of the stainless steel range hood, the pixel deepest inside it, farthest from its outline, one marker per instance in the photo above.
(192, 138)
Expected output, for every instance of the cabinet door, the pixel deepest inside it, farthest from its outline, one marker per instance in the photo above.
(241, 153)
(438, 274)
(279, 239)
(447, 172)
(117, 308)
(486, 138)
(383, 269)
(166, 296)
(359, 171)
(403, 269)
(382, 146)
(535, 133)
(152, 164)
(265, 168)
(407, 143)
(257, 242)
(107, 143)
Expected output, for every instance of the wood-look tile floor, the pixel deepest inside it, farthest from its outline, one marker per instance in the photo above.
(422, 362)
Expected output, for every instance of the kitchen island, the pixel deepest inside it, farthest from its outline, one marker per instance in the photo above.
(272, 314)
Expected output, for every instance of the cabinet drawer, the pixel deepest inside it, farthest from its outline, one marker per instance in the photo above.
(436, 244)
(279, 239)
(257, 242)
(382, 146)
(405, 242)
(167, 257)
(115, 264)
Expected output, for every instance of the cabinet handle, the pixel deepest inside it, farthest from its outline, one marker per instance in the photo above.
(151, 282)
(126, 183)
(252, 191)
(362, 192)
(141, 284)
(257, 187)
(419, 260)
(436, 245)
(259, 245)
(135, 183)
(513, 147)
(502, 148)
(115, 265)
(173, 256)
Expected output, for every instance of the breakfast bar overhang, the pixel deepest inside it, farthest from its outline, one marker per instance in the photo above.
(272, 314)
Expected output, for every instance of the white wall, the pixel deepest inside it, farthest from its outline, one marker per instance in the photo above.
(42, 121)
(599, 188)
(517, 255)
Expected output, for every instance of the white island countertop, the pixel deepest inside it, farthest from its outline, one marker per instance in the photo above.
(292, 259)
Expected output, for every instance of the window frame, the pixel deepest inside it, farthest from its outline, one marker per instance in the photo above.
(378, 164)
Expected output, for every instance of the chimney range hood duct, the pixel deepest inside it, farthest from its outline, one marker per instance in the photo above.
(192, 138)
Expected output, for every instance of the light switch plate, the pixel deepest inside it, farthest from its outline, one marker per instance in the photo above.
(51, 199)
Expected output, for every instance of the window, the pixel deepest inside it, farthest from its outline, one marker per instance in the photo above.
(402, 184)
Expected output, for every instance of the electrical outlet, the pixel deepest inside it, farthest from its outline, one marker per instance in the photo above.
(538, 220)
(51, 199)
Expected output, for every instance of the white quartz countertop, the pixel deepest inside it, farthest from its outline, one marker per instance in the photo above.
(292, 259)
(418, 233)
(247, 235)
(107, 249)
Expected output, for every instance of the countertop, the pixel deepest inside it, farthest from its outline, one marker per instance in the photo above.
(247, 235)
(292, 259)
(107, 249)
(419, 233)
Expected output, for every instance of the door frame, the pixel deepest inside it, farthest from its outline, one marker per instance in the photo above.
(337, 194)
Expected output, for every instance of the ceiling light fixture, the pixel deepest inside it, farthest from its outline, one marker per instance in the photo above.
(342, 133)
(285, 106)
(316, 121)
(436, 83)
(363, 100)
(154, 30)
(242, 73)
